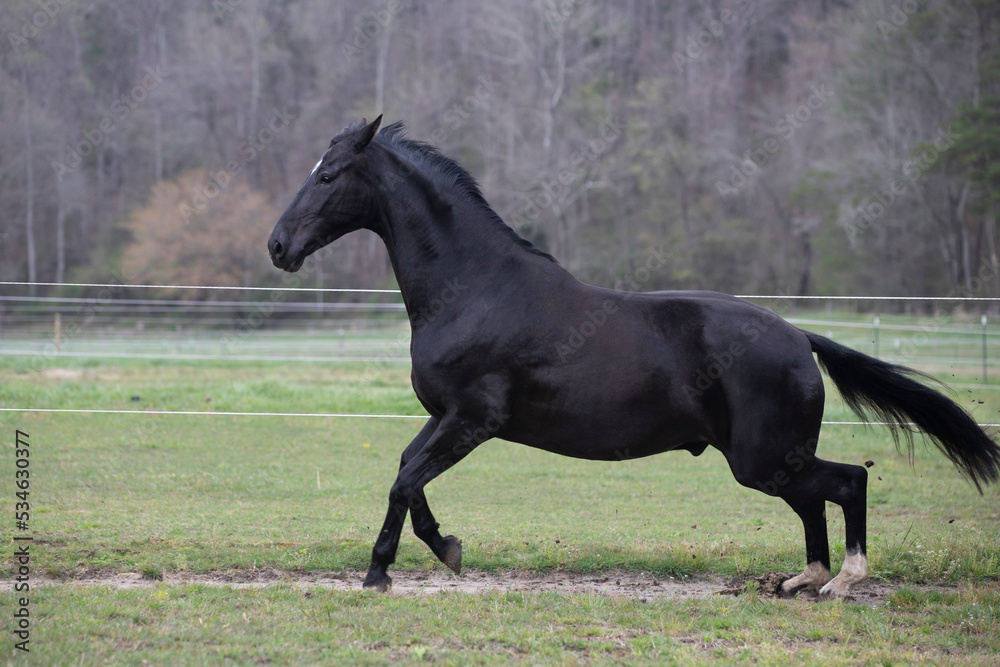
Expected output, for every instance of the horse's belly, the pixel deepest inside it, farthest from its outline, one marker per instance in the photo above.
(607, 446)
(604, 425)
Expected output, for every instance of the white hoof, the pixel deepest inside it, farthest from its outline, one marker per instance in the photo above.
(855, 571)
(815, 575)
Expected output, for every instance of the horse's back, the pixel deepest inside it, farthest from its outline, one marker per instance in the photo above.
(648, 372)
(768, 388)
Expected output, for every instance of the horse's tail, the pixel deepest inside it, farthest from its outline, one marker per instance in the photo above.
(875, 389)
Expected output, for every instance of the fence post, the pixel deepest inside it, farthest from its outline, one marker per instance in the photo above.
(876, 335)
(984, 348)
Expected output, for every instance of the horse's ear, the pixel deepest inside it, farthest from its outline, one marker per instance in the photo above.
(366, 134)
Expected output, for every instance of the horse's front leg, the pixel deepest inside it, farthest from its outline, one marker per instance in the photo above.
(436, 448)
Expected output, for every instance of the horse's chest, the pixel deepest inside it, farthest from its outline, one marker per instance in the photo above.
(439, 386)
(428, 392)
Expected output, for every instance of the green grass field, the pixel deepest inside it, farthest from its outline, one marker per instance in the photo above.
(149, 492)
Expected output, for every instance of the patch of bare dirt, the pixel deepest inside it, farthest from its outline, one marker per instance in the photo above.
(409, 582)
(642, 585)
(869, 591)
(63, 373)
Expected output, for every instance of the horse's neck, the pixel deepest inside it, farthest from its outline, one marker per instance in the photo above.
(442, 263)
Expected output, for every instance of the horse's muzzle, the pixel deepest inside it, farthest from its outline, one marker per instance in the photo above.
(279, 252)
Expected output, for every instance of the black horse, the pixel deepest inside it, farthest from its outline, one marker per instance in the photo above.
(507, 344)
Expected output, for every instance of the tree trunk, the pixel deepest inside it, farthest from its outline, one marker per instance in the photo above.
(60, 237)
(158, 144)
(29, 184)
(253, 22)
(807, 261)
(965, 243)
(380, 68)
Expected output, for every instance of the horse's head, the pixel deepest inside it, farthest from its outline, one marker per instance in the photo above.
(338, 197)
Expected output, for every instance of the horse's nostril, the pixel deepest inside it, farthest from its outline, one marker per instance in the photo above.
(276, 249)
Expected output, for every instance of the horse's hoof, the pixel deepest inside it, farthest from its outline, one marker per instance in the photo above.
(453, 554)
(842, 593)
(377, 582)
(790, 591)
(832, 596)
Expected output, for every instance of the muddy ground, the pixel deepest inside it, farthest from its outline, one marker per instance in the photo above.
(641, 585)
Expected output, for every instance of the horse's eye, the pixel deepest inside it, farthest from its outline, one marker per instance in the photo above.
(325, 178)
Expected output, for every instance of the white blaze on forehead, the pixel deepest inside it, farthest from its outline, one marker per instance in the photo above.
(316, 167)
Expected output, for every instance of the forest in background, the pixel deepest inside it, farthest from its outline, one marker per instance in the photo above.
(822, 147)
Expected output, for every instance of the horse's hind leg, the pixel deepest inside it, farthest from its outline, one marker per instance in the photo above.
(806, 483)
(850, 491)
(817, 572)
(806, 492)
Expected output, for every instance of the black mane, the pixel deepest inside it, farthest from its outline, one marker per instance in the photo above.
(448, 173)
